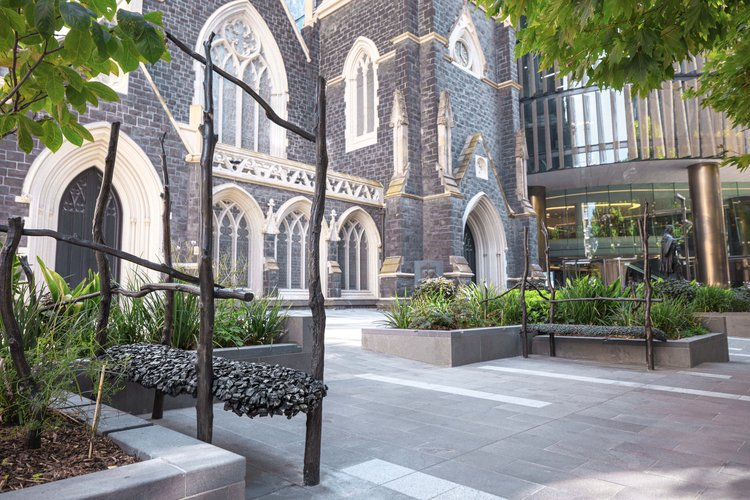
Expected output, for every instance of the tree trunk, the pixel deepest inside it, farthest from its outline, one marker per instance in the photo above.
(524, 316)
(314, 428)
(647, 290)
(204, 363)
(13, 334)
(166, 334)
(102, 263)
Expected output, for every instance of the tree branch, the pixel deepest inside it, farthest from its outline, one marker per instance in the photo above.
(161, 268)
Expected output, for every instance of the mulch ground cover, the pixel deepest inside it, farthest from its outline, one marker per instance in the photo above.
(64, 453)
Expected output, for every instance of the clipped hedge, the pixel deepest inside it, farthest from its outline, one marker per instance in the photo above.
(252, 389)
(633, 332)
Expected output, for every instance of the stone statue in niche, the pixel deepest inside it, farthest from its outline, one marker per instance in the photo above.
(669, 264)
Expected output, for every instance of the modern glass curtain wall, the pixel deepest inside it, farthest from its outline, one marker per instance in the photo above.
(569, 124)
(600, 222)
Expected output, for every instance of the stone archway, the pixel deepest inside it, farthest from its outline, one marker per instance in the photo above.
(135, 180)
(489, 242)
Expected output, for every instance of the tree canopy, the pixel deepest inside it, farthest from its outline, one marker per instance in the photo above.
(641, 42)
(51, 51)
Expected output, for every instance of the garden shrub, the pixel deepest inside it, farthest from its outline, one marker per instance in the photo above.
(434, 287)
(588, 312)
(741, 299)
(675, 289)
(713, 299)
(399, 315)
(676, 317)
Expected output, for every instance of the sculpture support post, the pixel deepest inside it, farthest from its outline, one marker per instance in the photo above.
(204, 363)
(314, 429)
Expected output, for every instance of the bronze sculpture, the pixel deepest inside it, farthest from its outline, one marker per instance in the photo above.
(669, 265)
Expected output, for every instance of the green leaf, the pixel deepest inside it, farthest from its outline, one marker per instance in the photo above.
(78, 46)
(13, 19)
(55, 89)
(51, 136)
(132, 24)
(76, 15)
(71, 135)
(103, 91)
(25, 138)
(76, 97)
(155, 16)
(82, 131)
(44, 17)
(127, 55)
(101, 39)
(74, 79)
(150, 44)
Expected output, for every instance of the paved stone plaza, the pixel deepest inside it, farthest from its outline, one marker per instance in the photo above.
(512, 428)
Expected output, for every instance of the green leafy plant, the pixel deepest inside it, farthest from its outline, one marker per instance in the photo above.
(588, 312)
(432, 287)
(264, 320)
(675, 289)
(399, 314)
(713, 299)
(676, 318)
(51, 52)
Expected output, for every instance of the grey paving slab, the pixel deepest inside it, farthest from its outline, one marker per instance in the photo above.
(594, 440)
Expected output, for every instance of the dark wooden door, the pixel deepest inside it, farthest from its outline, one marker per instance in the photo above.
(470, 252)
(75, 217)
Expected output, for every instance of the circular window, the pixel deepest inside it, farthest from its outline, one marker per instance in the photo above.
(461, 53)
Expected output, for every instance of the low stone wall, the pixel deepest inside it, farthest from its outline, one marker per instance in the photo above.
(683, 353)
(733, 324)
(445, 347)
(174, 465)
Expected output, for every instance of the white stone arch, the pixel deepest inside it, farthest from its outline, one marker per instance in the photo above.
(486, 226)
(362, 55)
(134, 179)
(274, 62)
(233, 193)
(304, 205)
(373, 251)
(465, 32)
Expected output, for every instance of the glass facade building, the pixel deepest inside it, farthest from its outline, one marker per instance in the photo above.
(626, 140)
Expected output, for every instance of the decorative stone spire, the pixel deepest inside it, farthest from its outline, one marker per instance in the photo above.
(445, 151)
(522, 157)
(399, 123)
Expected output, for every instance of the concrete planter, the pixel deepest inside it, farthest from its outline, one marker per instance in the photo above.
(174, 465)
(683, 353)
(445, 347)
(736, 324)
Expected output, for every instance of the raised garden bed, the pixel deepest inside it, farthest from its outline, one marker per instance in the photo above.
(734, 324)
(445, 347)
(682, 353)
(172, 465)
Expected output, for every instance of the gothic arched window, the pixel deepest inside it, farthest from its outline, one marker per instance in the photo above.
(244, 47)
(361, 94)
(353, 256)
(292, 250)
(231, 244)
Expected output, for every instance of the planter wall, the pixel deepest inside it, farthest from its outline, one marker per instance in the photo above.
(445, 347)
(733, 324)
(174, 465)
(683, 353)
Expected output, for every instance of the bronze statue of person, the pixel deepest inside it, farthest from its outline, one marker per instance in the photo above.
(669, 263)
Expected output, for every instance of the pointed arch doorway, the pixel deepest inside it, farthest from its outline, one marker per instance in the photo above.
(485, 242)
(76, 216)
